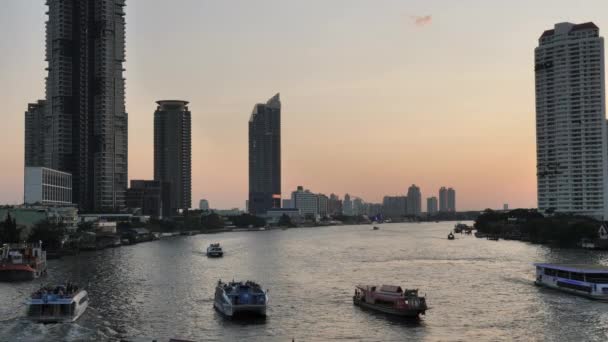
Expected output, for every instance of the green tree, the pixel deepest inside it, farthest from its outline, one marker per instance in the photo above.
(86, 226)
(212, 221)
(285, 221)
(51, 234)
(9, 233)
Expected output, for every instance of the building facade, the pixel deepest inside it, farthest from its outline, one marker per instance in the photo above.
(148, 197)
(323, 204)
(306, 201)
(35, 132)
(44, 186)
(334, 205)
(173, 152)
(414, 201)
(451, 200)
(443, 199)
(394, 206)
(203, 204)
(431, 205)
(265, 157)
(85, 122)
(347, 206)
(571, 129)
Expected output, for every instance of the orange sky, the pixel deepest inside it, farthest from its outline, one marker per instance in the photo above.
(376, 95)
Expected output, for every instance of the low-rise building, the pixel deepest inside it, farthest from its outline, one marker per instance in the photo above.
(44, 186)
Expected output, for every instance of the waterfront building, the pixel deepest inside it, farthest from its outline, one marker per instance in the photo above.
(228, 212)
(414, 201)
(358, 206)
(431, 205)
(35, 133)
(443, 199)
(323, 204)
(27, 217)
(148, 197)
(265, 157)
(273, 216)
(173, 153)
(571, 129)
(373, 209)
(306, 201)
(334, 205)
(84, 125)
(287, 203)
(48, 187)
(451, 200)
(394, 206)
(347, 205)
(203, 205)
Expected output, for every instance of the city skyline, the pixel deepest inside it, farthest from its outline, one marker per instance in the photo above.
(303, 160)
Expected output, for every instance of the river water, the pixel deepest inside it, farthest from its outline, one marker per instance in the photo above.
(477, 290)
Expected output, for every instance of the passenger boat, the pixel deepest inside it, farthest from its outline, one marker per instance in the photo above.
(215, 250)
(236, 298)
(376, 228)
(20, 262)
(586, 280)
(390, 299)
(59, 304)
(450, 236)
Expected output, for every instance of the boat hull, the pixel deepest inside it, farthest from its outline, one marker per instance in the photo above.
(15, 273)
(215, 254)
(590, 295)
(409, 313)
(237, 310)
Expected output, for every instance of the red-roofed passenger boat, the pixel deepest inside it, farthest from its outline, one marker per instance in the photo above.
(390, 299)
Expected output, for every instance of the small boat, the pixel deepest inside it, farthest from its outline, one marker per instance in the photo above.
(390, 299)
(450, 236)
(235, 298)
(376, 228)
(21, 262)
(215, 251)
(59, 304)
(589, 281)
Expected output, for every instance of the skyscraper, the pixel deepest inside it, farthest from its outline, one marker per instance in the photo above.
(443, 199)
(85, 123)
(35, 134)
(414, 201)
(451, 200)
(173, 153)
(265, 157)
(347, 206)
(431, 205)
(394, 206)
(334, 205)
(571, 132)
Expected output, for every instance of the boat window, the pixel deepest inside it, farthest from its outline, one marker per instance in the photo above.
(563, 274)
(598, 278)
(34, 310)
(550, 272)
(577, 276)
(65, 310)
(574, 286)
(83, 299)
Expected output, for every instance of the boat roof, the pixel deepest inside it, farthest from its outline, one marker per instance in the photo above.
(582, 268)
(381, 288)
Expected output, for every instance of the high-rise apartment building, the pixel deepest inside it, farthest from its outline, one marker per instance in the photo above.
(334, 205)
(431, 205)
(571, 129)
(265, 157)
(306, 201)
(414, 201)
(347, 206)
(35, 129)
(394, 206)
(173, 153)
(203, 204)
(85, 123)
(443, 199)
(451, 200)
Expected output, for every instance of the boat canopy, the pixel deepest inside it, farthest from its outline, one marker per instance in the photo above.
(579, 268)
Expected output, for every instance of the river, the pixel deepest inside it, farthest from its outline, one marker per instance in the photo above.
(477, 290)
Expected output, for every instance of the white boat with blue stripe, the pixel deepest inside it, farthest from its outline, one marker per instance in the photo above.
(59, 304)
(240, 298)
(585, 280)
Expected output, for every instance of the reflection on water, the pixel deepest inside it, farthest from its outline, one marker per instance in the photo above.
(476, 289)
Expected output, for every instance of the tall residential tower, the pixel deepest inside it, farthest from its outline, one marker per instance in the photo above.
(173, 154)
(85, 123)
(571, 129)
(265, 157)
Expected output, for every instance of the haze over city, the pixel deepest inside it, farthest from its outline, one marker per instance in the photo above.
(376, 95)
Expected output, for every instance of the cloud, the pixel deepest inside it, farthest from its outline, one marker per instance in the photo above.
(421, 21)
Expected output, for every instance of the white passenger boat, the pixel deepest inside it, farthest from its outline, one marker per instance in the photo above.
(215, 251)
(59, 304)
(586, 280)
(236, 298)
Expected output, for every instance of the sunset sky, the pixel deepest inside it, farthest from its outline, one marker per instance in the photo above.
(377, 94)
